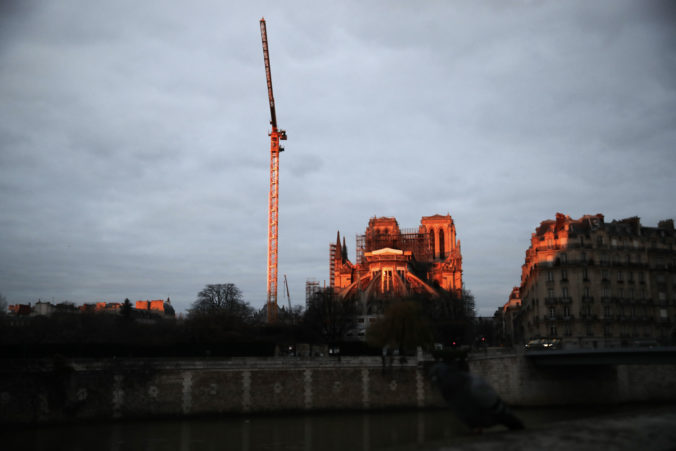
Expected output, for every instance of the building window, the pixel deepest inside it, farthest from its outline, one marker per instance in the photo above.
(434, 251)
(564, 292)
(641, 277)
(585, 274)
(550, 293)
(442, 250)
(630, 277)
(606, 311)
(584, 257)
(564, 274)
(567, 330)
(606, 292)
(619, 276)
(590, 331)
(564, 258)
(604, 275)
(550, 276)
(566, 311)
(552, 331)
(552, 312)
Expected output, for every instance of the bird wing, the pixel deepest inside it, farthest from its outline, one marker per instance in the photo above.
(482, 394)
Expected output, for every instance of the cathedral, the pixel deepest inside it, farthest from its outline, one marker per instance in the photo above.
(394, 261)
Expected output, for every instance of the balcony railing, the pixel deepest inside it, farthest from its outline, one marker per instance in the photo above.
(566, 300)
(588, 299)
(584, 315)
(550, 301)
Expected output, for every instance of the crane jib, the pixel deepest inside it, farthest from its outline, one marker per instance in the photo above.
(268, 75)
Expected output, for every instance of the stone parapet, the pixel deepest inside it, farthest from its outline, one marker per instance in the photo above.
(48, 391)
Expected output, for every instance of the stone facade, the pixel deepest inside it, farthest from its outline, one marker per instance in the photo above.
(395, 261)
(510, 314)
(591, 283)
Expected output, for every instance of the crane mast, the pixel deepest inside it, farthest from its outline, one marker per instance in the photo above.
(273, 198)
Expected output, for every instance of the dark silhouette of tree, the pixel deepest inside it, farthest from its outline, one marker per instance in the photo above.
(125, 311)
(290, 316)
(451, 317)
(3, 305)
(221, 298)
(220, 315)
(329, 317)
(403, 326)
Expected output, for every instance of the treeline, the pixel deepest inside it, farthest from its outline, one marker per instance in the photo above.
(220, 323)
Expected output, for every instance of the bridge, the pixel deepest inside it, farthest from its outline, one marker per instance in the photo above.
(658, 355)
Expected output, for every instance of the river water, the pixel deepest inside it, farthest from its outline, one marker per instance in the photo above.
(354, 431)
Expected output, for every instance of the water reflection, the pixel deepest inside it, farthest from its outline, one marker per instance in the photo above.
(353, 431)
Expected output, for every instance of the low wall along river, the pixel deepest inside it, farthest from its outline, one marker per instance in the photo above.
(64, 390)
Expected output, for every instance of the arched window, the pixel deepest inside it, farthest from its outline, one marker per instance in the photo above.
(432, 240)
(442, 253)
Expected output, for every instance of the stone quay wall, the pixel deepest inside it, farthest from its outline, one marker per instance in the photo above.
(519, 382)
(56, 390)
(67, 390)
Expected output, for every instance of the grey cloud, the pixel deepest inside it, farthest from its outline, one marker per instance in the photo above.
(134, 154)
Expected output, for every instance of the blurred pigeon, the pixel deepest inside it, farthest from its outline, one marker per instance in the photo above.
(472, 399)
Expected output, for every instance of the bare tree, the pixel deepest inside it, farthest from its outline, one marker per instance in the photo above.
(126, 309)
(403, 327)
(328, 316)
(221, 298)
(3, 305)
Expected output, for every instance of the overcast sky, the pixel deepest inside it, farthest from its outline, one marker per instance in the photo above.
(134, 148)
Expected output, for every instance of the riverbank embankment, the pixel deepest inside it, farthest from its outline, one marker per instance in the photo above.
(62, 390)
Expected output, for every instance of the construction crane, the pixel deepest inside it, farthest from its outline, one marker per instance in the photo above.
(288, 296)
(273, 198)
